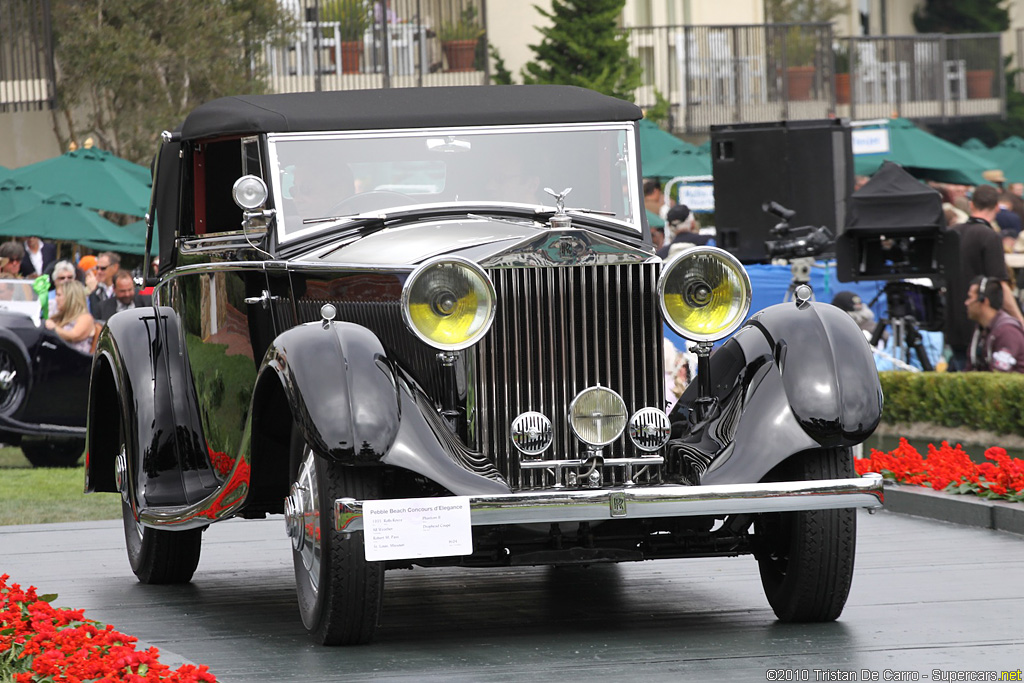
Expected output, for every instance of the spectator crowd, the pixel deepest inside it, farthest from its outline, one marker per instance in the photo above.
(76, 298)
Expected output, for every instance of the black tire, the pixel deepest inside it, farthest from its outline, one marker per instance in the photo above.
(806, 558)
(340, 594)
(53, 451)
(158, 556)
(14, 377)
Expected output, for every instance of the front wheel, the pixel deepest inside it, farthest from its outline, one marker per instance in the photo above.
(340, 593)
(157, 556)
(806, 557)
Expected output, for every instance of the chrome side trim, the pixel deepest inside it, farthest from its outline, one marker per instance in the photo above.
(654, 501)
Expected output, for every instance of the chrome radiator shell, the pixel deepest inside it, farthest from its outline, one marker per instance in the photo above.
(557, 331)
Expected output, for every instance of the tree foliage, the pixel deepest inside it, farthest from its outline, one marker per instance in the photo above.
(803, 11)
(128, 69)
(584, 46)
(957, 16)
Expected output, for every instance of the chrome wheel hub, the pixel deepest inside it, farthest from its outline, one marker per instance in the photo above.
(302, 517)
(121, 473)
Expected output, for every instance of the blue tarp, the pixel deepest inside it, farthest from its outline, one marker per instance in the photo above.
(769, 284)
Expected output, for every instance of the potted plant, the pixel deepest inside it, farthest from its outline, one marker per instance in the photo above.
(841, 59)
(800, 52)
(459, 39)
(980, 61)
(352, 20)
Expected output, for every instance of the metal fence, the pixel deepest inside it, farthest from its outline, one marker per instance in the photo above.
(769, 72)
(924, 77)
(356, 44)
(26, 56)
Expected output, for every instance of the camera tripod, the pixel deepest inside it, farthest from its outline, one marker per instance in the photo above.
(801, 271)
(905, 332)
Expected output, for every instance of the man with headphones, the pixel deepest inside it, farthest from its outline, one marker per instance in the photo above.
(998, 341)
(981, 254)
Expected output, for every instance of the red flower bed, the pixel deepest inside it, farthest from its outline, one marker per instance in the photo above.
(39, 642)
(950, 469)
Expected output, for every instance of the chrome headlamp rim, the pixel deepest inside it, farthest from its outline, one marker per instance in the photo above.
(674, 261)
(414, 278)
(618, 433)
(643, 423)
(249, 185)
(535, 446)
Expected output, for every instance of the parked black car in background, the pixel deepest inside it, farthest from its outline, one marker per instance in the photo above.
(426, 326)
(44, 383)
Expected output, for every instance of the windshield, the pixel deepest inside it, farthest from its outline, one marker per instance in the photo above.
(333, 175)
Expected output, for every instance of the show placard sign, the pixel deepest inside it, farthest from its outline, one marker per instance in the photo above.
(410, 528)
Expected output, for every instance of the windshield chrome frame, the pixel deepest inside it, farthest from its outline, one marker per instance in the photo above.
(632, 165)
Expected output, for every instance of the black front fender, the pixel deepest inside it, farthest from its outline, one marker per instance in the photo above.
(340, 388)
(792, 379)
(827, 370)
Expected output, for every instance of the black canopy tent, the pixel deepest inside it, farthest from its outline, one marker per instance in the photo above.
(895, 229)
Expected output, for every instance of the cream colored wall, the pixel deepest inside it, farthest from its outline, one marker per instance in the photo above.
(512, 28)
(726, 12)
(26, 137)
(694, 12)
(1009, 42)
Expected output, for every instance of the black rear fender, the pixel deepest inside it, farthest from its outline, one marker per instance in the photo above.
(139, 373)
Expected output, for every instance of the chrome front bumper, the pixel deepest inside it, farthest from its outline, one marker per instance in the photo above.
(653, 501)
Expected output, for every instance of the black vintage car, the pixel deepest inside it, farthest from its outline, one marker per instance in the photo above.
(44, 383)
(426, 326)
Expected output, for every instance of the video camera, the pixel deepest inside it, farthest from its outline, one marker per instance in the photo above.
(802, 242)
(895, 230)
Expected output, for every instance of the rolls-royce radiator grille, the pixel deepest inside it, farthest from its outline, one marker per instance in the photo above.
(557, 331)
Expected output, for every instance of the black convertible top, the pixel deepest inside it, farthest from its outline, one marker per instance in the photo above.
(403, 108)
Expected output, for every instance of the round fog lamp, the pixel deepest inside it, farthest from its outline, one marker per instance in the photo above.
(448, 303)
(704, 293)
(649, 429)
(597, 416)
(249, 192)
(531, 433)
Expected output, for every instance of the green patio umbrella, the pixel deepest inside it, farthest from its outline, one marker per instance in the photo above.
(679, 163)
(1008, 156)
(98, 179)
(975, 145)
(132, 240)
(925, 156)
(660, 152)
(61, 218)
(16, 198)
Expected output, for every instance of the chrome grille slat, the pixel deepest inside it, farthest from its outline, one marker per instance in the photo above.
(600, 324)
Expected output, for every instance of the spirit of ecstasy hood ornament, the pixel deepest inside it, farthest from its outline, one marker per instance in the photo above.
(559, 198)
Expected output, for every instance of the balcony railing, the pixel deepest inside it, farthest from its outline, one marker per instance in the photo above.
(394, 43)
(26, 57)
(770, 72)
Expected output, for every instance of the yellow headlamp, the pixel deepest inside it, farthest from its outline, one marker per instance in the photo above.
(704, 293)
(448, 302)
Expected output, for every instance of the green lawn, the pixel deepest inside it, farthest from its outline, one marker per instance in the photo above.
(38, 495)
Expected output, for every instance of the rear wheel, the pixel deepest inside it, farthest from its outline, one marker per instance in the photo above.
(806, 558)
(157, 556)
(53, 451)
(340, 593)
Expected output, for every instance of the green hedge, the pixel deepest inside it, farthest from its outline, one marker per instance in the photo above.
(987, 401)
